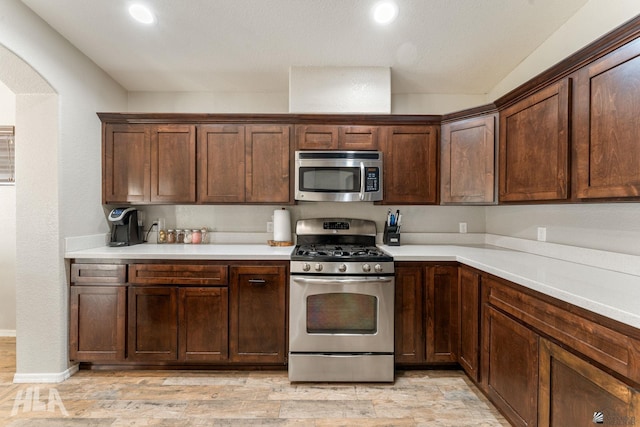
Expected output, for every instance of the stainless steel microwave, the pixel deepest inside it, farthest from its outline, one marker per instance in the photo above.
(338, 176)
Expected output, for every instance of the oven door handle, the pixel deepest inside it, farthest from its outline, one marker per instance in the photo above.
(363, 180)
(343, 281)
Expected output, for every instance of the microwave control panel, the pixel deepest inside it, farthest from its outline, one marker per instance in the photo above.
(372, 183)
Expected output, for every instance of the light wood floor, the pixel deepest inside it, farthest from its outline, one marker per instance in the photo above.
(229, 398)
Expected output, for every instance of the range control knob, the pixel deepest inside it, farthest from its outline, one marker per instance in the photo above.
(378, 268)
(306, 266)
(318, 267)
(366, 268)
(342, 268)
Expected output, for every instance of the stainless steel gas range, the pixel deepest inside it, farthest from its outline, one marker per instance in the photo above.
(341, 321)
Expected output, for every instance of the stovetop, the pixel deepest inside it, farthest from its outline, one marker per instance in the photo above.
(339, 253)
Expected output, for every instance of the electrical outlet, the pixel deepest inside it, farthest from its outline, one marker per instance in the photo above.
(462, 227)
(270, 227)
(542, 234)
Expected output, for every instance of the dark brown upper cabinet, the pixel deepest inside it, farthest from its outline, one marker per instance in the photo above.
(173, 163)
(238, 164)
(534, 146)
(149, 163)
(336, 137)
(468, 161)
(126, 163)
(221, 163)
(607, 134)
(410, 156)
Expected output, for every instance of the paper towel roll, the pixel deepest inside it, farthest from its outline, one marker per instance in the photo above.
(281, 225)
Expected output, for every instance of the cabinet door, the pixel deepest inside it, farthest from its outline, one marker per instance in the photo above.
(173, 163)
(203, 324)
(468, 159)
(268, 164)
(573, 392)
(334, 137)
(441, 314)
(97, 323)
(606, 125)
(316, 137)
(221, 164)
(258, 324)
(126, 162)
(469, 312)
(534, 146)
(409, 315)
(512, 367)
(153, 323)
(410, 165)
(358, 137)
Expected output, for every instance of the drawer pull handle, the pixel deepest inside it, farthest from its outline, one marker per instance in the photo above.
(258, 281)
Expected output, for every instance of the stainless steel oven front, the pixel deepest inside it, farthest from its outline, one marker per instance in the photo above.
(341, 328)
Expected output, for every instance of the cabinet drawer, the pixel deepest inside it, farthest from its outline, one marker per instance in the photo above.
(178, 274)
(98, 274)
(603, 344)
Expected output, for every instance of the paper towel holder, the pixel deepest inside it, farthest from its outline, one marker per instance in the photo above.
(287, 242)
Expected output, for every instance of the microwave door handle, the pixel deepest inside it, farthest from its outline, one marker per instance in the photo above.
(363, 180)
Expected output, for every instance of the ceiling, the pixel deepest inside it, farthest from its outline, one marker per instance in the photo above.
(434, 46)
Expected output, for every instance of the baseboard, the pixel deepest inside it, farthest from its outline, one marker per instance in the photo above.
(45, 377)
(7, 332)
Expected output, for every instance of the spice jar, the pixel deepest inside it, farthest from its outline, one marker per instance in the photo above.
(196, 237)
(171, 236)
(205, 235)
(162, 231)
(187, 236)
(179, 236)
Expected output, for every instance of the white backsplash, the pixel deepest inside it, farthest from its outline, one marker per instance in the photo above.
(253, 219)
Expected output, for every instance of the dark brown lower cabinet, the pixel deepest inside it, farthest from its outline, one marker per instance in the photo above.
(442, 314)
(186, 324)
(510, 371)
(153, 323)
(257, 308)
(469, 313)
(426, 319)
(97, 323)
(573, 392)
(203, 319)
(409, 314)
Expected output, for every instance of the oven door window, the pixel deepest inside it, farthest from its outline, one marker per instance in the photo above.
(342, 313)
(330, 179)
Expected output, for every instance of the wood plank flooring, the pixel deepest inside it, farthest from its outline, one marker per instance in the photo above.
(231, 398)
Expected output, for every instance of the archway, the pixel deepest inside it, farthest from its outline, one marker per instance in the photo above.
(40, 294)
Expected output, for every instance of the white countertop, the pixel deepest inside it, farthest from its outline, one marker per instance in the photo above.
(187, 252)
(612, 294)
(609, 293)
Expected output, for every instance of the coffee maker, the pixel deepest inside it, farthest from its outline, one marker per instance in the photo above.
(125, 230)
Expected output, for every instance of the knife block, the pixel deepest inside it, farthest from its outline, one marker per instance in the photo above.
(391, 235)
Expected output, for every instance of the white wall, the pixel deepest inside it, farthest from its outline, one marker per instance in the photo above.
(7, 229)
(253, 219)
(58, 161)
(593, 20)
(612, 227)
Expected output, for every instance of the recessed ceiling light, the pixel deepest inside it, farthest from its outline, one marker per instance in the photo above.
(385, 11)
(141, 13)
